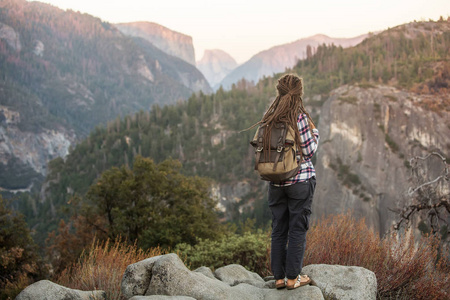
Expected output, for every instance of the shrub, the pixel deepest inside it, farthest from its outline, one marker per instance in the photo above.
(405, 268)
(348, 178)
(366, 85)
(350, 99)
(392, 144)
(102, 267)
(391, 98)
(251, 250)
(20, 264)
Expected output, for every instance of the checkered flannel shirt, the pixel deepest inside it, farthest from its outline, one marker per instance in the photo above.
(308, 146)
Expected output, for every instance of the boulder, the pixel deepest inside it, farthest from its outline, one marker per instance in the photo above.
(305, 292)
(235, 274)
(167, 275)
(136, 278)
(161, 297)
(341, 282)
(205, 271)
(47, 290)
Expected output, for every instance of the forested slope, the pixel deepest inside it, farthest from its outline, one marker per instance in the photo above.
(62, 73)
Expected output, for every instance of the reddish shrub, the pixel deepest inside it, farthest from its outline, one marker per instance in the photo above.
(405, 268)
(102, 267)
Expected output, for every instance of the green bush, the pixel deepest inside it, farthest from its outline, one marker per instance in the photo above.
(250, 250)
(19, 262)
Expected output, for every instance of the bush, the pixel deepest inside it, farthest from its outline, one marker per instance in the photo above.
(102, 267)
(20, 264)
(405, 268)
(250, 250)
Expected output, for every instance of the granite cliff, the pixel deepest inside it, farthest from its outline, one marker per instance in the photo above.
(24, 155)
(368, 135)
(165, 39)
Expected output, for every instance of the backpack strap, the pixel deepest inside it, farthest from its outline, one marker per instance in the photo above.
(280, 145)
(259, 147)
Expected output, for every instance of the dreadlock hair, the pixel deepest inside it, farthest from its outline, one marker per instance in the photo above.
(285, 108)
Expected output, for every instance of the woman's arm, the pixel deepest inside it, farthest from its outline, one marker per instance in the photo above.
(309, 137)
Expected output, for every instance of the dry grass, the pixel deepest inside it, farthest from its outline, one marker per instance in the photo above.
(13, 288)
(405, 268)
(102, 267)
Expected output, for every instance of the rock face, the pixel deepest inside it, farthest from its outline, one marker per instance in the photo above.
(167, 275)
(367, 137)
(11, 37)
(169, 41)
(278, 58)
(215, 65)
(228, 195)
(47, 290)
(24, 155)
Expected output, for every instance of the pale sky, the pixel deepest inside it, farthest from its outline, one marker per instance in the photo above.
(243, 28)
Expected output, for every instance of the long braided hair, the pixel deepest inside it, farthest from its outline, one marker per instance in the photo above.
(286, 107)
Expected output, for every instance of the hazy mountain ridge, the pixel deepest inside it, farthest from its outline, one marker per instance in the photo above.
(215, 65)
(69, 72)
(278, 58)
(167, 40)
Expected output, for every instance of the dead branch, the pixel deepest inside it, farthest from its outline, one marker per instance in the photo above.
(426, 198)
(407, 212)
(444, 176)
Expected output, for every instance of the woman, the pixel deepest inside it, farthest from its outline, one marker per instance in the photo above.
(290, 201)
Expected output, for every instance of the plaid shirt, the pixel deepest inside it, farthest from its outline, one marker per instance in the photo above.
(309, 147)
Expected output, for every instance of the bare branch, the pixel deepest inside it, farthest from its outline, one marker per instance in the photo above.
(427, 156)
(411, 192)
(426, 197)
(409, 210)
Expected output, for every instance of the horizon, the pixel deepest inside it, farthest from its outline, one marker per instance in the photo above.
(242, 29)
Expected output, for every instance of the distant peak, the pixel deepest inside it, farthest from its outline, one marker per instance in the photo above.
(209, 54)
(319, 36)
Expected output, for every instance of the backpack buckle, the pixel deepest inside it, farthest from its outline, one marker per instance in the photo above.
(259, 149)
(280, 148)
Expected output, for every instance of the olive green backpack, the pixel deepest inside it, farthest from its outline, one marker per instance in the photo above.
(279, 162)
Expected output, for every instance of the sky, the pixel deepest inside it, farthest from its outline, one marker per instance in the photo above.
(242, 28)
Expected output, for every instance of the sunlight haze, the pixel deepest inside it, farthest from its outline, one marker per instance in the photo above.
(244, 28)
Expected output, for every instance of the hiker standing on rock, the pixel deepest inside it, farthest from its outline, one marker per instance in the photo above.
(290, 198)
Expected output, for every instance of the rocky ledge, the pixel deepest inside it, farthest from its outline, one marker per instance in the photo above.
(166, 277)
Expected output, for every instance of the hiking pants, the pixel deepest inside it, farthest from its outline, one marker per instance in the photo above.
(291, 210)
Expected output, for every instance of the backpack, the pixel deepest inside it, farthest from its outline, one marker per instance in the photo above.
(281, 161)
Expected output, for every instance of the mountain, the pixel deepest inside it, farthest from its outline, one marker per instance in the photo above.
(375, 104)
(215, 65)
(63, 73)
(278, 58)
(169, 41)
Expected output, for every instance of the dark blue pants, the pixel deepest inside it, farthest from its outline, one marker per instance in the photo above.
(291, 210)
